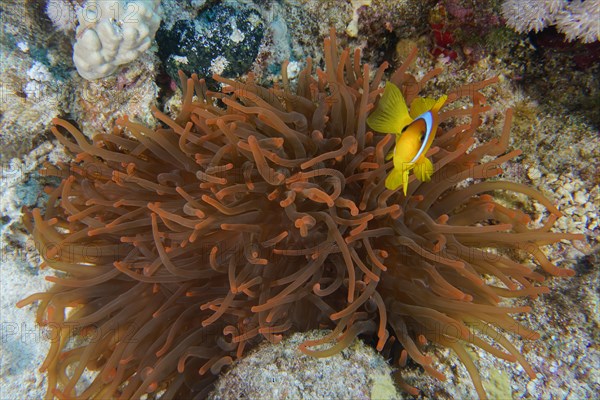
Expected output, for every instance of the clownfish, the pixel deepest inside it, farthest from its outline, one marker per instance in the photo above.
(414, 130)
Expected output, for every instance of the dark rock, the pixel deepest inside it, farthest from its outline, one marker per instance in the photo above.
(220, 35)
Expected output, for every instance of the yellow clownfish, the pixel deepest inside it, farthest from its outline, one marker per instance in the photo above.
(414, 130)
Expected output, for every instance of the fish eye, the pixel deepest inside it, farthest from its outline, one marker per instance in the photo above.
(422, 137)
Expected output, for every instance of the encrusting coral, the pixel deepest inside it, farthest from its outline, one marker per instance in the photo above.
(261, 211)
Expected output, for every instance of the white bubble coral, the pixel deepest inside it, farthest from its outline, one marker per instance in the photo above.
(112, 33)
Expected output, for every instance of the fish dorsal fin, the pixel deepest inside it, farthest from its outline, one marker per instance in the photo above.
(421, 105)
(391, 114)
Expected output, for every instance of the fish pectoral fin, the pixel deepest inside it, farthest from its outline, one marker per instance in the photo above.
(389, 155)
(394, 179)
(397, 178)
(391, 114)
(424, 169)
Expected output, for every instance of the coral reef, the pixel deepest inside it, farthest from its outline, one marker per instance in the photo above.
(231, 225)
(564, 78)
(385, 22)
(34, 85)
(38, 83)
(296, 30)
(132, 91)
(577, 19)
(464, 27)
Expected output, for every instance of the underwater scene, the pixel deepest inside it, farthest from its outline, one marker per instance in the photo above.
(299, 199)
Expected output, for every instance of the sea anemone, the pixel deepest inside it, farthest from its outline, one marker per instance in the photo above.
(258, 212)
